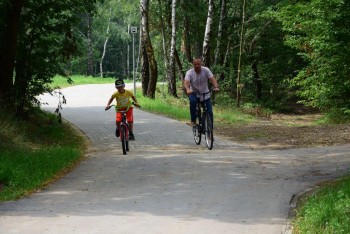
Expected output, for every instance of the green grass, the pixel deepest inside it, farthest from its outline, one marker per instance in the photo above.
(178, 108)
(326, 211)
(35, 152)
(62, 82)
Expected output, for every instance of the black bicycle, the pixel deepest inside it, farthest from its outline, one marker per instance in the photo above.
(204, 123)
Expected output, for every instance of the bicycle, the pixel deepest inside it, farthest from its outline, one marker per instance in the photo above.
(204, 123)
(124, 127)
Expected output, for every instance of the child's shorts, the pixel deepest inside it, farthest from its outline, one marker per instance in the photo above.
(129, 116)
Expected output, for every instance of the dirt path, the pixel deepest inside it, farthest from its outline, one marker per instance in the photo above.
(287, 131)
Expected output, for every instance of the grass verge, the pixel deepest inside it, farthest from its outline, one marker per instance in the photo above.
(178, 108)
(35, 152)
(63, 82)
(325, 211)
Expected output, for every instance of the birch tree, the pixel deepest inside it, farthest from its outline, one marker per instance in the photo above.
(207, 34)
(219, 36)
(240, 57)
(172, 80)
(164, 41)
(105, 43)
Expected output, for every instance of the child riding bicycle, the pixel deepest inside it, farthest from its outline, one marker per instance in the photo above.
(122, 97)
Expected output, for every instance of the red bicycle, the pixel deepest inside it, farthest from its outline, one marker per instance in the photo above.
(124, 127)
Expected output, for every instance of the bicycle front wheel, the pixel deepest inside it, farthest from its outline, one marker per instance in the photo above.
(208, 131)
(123, 138)
(197, 136)
(127, 144)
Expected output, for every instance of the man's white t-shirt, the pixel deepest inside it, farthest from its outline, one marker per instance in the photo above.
(199, 82)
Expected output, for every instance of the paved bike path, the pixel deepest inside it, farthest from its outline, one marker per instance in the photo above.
(167, 184)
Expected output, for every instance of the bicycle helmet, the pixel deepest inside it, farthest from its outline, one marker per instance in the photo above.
(119, 83)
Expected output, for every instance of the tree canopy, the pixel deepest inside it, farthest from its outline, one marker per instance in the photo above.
(282, 51)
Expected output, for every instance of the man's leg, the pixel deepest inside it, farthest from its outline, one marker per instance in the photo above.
(193, 104)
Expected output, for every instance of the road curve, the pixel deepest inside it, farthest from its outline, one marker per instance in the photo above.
(167, 184)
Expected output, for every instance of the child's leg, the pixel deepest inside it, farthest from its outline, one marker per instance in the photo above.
(118, 124)
(130, 118)
(131, 124)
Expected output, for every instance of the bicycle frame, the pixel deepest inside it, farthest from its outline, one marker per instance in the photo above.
(201, 109)
(124, 122)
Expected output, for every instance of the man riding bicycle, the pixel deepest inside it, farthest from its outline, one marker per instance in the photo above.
(196, 81)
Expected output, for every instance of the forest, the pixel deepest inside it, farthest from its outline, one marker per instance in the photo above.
(272, 53)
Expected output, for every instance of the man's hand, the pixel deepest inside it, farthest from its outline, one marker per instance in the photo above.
(216, 89)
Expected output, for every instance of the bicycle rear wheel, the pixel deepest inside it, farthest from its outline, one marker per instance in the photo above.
(208, 131)
(123, 138)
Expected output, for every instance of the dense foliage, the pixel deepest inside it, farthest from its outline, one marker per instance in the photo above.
(45, 43)
(290, 51)
(318, 30)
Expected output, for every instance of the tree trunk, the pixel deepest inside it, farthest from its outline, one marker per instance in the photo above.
(186, 46)
(148, 54)
(145, 74)
(257, 80)
(8, 48)
(219, 37)
(254, 62)
(172, 80)
(165, 49)
(239, 87)
(105, 45)
(90, 59)
(207, 34)
(180, 70)
(128, 57)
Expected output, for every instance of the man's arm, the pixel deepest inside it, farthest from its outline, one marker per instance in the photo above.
(187, 86)
(214, 83)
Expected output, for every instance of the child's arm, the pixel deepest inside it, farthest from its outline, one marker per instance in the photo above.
(109, 102)
(135, 101)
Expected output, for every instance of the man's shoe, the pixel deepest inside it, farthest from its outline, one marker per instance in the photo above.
(131, 136)
(117, 134)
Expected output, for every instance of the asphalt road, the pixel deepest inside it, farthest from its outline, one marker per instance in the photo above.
(167, 184)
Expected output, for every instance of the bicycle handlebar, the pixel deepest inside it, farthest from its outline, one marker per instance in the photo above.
(122, 107)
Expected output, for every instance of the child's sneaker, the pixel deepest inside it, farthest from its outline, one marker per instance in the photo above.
(117, 134)
(131, 136)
